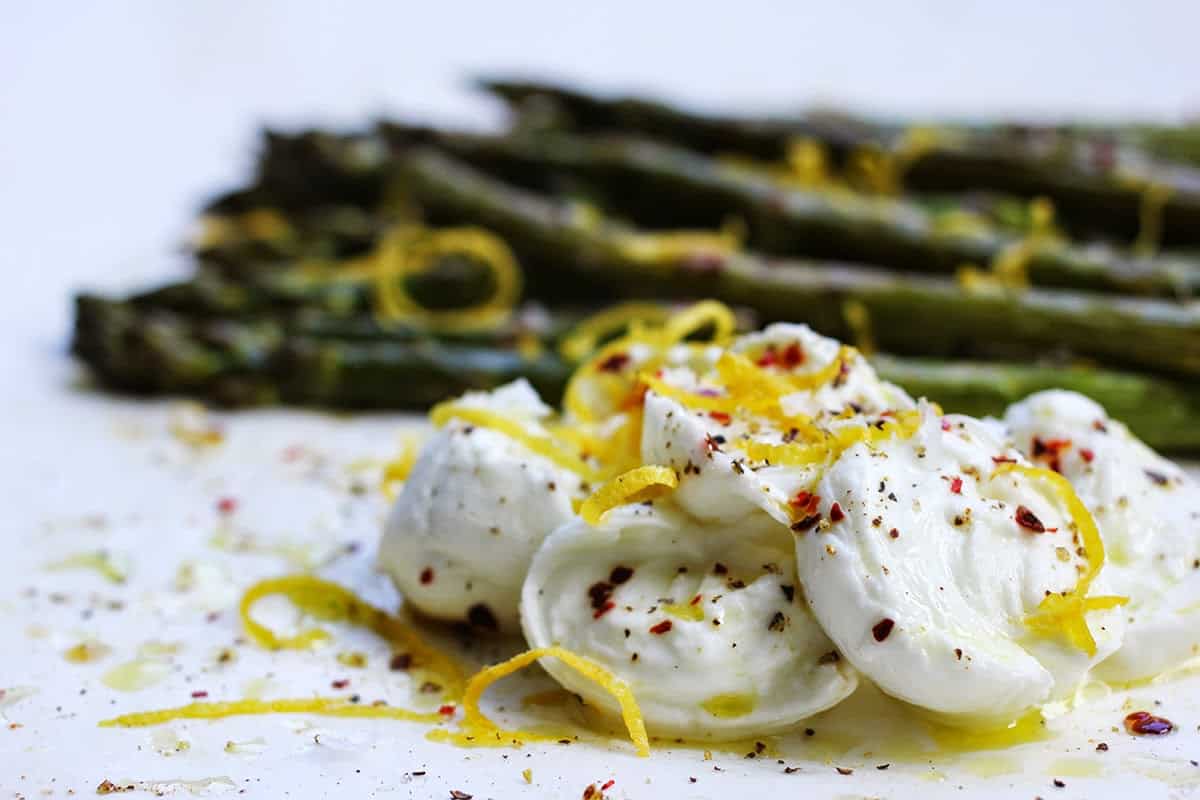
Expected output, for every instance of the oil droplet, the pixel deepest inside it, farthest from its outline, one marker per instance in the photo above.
(87, 652)
(1026, 729)
(133, 676)
(991, 766)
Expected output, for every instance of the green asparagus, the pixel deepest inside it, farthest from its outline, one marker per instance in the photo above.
(909, 315)
(1092, 185)
(668, 187)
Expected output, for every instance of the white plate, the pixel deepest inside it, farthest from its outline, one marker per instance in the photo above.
(110, 477)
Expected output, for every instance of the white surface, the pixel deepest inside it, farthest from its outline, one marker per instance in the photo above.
(117, 119)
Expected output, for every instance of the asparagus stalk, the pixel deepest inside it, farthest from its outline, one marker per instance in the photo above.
(239, 363)
(143, 350)
(1092, 186)
(910, 315)
(660, 185)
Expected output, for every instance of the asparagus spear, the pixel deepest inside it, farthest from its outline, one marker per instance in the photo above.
(1092, 186)
(666, 186)
(1161, 412)
(911, 315)
(237, 363)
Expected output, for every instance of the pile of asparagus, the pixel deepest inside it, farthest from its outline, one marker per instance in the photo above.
(861, 229)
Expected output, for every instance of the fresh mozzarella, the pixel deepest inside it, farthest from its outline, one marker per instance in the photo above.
(1148, 512)
(922, 575)
(704, 622)
(475, 507)
(718, 482)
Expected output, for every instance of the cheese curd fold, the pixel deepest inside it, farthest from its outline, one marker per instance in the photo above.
(925, 561)
(474, 509)
(704, 622)
(1148, 513)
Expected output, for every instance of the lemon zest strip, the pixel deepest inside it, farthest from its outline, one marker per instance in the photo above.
(585, 336)
(323, 706)
(397, 470)
(329, 601)
(543, 445)
(409, 250)
(479, 730)
(634, 486)
(1064, 612)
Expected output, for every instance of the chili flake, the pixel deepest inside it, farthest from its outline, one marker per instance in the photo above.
(956, 485)
(446, 710)
(1157, 477)
(883, 629)
(1027, 519)
(721, 417)
(227, 505)
(427, 576)
(661, 627)
(945, 424)
(807, 523)
(1143, 723)
(835, 513)
(1086, 454)
(614, 363)
(793, 355)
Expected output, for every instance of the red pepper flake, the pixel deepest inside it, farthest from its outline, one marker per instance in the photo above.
(446, 711)
(1143, 723)
(894, 533)
(883, 629)
(1086, 454)
(590, 792)
(426, 576)
(793, 355)
(614, 363)
(661, 627)
(340, 683)
(946, 424)
(721, 417)
(608, 785)
(400, 662)
(293, 452)
(604, 609)
(1027, 519)
(956, 485)
(198, 694)
(769, 358)
(1100, 426)
(696, 599)
(455, 794)
(835, 513)
(227, 505)
(805, 501)
(1003, 460)
(1050, 449)
(844, 771)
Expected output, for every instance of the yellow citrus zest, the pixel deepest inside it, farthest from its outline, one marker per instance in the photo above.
(395, 472)
(808, 162)
(477, 730)
(323, 706)
(1064, 613)
(669, 248)
(327, 601)
(858, 319)
(585, 337)
(542, 444)
(634, 486)
(1011, 265)
(409, 250)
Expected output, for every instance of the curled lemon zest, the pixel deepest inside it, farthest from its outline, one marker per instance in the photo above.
(808, 163)
(585, 337)
(1150, 217)
(409, 250)
(322, 706)
(328, 601)
(634, 486)
(542, 444)
(1064, 612)
(1011, 265)
(396, 471)
(479, 730)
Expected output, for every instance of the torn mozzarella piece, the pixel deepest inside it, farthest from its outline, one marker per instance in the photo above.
(474, 509)
(1148, 512)
(924, 563)
(719, 478)
(704, 622)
